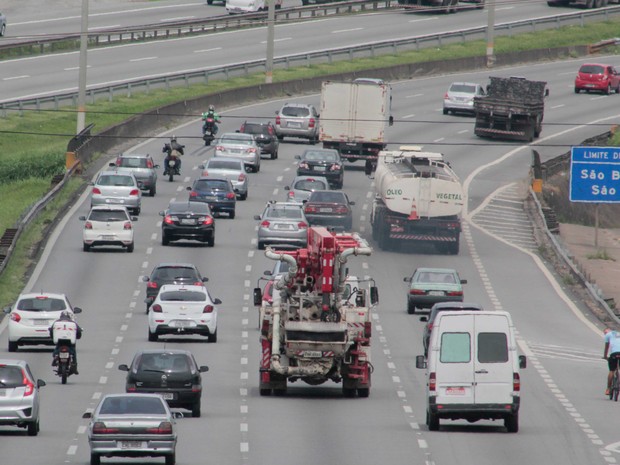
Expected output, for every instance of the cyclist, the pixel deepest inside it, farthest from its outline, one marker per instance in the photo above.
(612, 349)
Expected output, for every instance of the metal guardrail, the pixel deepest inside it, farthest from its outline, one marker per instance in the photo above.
(305, 59)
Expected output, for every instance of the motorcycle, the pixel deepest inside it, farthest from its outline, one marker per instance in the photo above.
(209, 130)
(64, 363)
(173, 169)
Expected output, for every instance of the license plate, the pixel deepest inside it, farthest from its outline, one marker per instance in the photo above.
(455, 391)
(182, 324)
(42, 322)
(210, 198)
(188, 221)
(320, 168)
(293, 124)
(107, 238)
(132, 444)
(436, 293)
(234, 150)
(283, 227)
(171, 163)
(325, 210)
(64, 355)
(168, 396)
(312, 353)
(115, 201)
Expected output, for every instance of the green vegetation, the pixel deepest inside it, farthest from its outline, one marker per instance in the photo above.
(33, 143)
(600, 254)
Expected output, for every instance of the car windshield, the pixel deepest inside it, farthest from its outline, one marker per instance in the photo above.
(295, 111)
(11, 376)
(132, 162)
(211, 185)
(183, 296)
(175, 273)
(41, 304)
(224, 165)
(320, 156)
(255, 128)
(327, 197)
(285, 213)
(592, 69)
(464, 88)
(132, 405)
(436, 277)
(115, 180)
(238, 139)
(310, 185)
(165, 362)
(108, 215)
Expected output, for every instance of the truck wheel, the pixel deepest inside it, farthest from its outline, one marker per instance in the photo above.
(511, 422)
(363, 392)
(432, 421)
(264, 391)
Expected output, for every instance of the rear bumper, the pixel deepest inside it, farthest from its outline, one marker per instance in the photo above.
(154, 448)
(474, 412)
(427, 301)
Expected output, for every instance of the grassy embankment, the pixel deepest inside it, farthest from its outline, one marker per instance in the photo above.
(32, 144)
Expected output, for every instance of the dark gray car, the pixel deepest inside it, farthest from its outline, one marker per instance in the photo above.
(265, 135)
(143, 168)
(2, 24)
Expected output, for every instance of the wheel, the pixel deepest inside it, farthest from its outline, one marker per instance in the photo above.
(410, 308)
(589, 4)
(211, 241)
(616, 392)
(171, 176)
(165, 240)
(264, 391)
(314, 140)
(231, 215)
(130, 248)
(33, 428)
(348, 392)
(209, 2)
(213, 336)
(280, 137)
(432, 421)
(480, 5)
(257, 168)
(363, 392)
(171, 459)
(274, 155)
(598, 3)
(446, 111)
(511, 422)
(152, 191)
(13, 346)
(95, 459)
(244, 196)
(608, 90)
(63, 375)
(349, 225)
(3, 30)
(261, 245)
(85, 247)
(153, 337)
(196, 409)
(577, 90)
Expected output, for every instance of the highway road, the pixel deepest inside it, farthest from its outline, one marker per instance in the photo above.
(564, 416)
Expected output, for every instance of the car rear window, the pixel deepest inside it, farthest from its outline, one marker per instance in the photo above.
(287, 213)
(41, 304)
(251, 128)
(115, 180)
(465, 88)
(164, 362)
(132, 405)
(103, 215)
(310, 185)
(11, 376)
(298, 112)
(436, 277)
(173, 273)
(319, 155)
(328, 197)
(592, 69)
(133, 162)
(239, 139)
(207, 185)
(183, 296)
(455, 348)
(492, 348)
(224, 165)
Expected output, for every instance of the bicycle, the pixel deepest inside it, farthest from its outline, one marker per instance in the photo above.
(614, 389)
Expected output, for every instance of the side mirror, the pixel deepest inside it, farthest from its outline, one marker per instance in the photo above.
(463, 281)
(134, 218)
(351, 202)
(546, 92)
(217, 301)
(111, 164)
(424, 318)
(155, 166)
(201, 166)
(6, 310)
(162, 213)
(237, 130)
(41, 383)
(407, 279)
(374, 295)
(265, 273)
(82, 218)
(258, 296)
(297, 157)
(420, 362)
(391, 120)
(77, 310)
(204, 280)
(257, 217)
(203, 369)
(522, 361)
(276, 112)
(188, 188)
(287, 188)
(178, 415)
(123, 367)
(148, 300)
(87, 415)
(145, 279)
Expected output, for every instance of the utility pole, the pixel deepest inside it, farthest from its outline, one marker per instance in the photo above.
(491, 34)
(271, 17)
(81, 109)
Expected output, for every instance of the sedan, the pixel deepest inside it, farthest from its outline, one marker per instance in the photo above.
(428, 286)
(329, 208)
(19, 396)
(32, 315)
(232, 169)
(217, 192)
(132, 425)
(182, 310)
(460, 97)
(188, 220)
(108, 225)
(282, 224)
(265, 135)
(438, 308)
(240, 146)
(302, 186)
(174, 374)
(322, 162)
(597, 77)
(171, 273)
(118, 188)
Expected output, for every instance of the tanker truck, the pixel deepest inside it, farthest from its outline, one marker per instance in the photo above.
(582, 3)
(441, 6)
(418, 199)
(318, 325)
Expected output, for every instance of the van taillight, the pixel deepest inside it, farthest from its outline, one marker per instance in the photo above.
(516, 382)
(432, 382)
(278, 120)
(368, 329)
(311, 123)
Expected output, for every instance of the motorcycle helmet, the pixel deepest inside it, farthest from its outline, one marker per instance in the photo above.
(66, 315)
(211, 108)
(173, 138)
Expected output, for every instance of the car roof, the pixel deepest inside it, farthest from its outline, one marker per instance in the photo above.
(184, 287)
(456, 306)
(162, 351)
(118, 172)
(184, 206)
(33, 295)
(436, 270)
(108, 207)
(304, 105)
(175, 265)
(133, 395)
(212, 178)
(134, 155)
(320, 150)
(13, 362)
(238, 135)
(310, 178)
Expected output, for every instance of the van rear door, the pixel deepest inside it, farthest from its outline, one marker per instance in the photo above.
(493, 361)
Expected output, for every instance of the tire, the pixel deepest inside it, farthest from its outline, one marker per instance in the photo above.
(480, 5)
(432, 421)
(212, 338)
(280, 138)
(589, 4)
(577, 90)
(243, 196)
(598, 3)
(511, 422)
(264, 391)
(363, 392)
(33, 428)
(196, 409)
(349, 225)
(13, 345)
(137, 211)
(348, 392)
(231, 215)
(165, 240)
(153, 337)
(274, 155)
(446, 111)
(153, 191)
(410, 309)
(95, 459)
(211, 241)
(261, 245)
(130, 248)
(170, 177)
(3, 30)
(616, 392)
(608, 90)
(171, 459)
(209, 2)
(86, 247)
(63, 375)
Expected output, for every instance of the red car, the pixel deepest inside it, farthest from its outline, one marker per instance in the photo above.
(598, 77)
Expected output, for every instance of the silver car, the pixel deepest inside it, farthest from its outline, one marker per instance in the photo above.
(19, 396)
(132, 425)
(240, 146)
(298, 120)
(460, 97)
(302, 186)
(282, 224)
(117, 188)
(2, 24)
(232, 169)
(143, 168)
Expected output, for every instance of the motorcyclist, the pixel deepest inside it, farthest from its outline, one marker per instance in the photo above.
(65, 331)
(210, 114)
(173, 146)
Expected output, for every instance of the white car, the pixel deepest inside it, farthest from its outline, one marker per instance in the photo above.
(31, 317)
(182, 310)
(108, 225)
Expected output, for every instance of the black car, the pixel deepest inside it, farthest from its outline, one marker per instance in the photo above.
(442, 307)
(173, 374)
(265, 136)
(170, 273)
(218, 193)
(188, 220)
(322, 162)
(329, 208)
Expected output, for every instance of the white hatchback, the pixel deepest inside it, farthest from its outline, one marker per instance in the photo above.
(108, 225)
(31, 317)
(183, 310)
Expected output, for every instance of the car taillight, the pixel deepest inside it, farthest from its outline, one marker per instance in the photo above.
(270, 130)
(88, 225)
(241, 177)
(335, 167)
(219, 148)
(230, 195)
(278, 120)
(131, 387)
(16, 317)
(432, 382)
(208, 309)
(193, 194)
(168, 219)
(135, 192)
(152, 285)
(265, 224)
(516, 382)
(416, 292)
(454, 293)
(291, 194)
(156, 308)
(446, 95)
(149, 164)
(304, 165)
(430, 327)
(96, 190)
(242, 128)
(127, 225)
(100, 428)
(196, 388)
(205, 173)
(118, 162)
(310, 209)
(311, 123)
(207, 220)
(29, 386)
(341, 209)
(302, 225)
(251, 150)
(165, 427)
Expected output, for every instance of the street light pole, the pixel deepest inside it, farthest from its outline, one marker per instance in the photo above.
(490, 34)
(271, 16)
(81, 109)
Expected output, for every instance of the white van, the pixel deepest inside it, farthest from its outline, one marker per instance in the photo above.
(249, 6)
(472, 369)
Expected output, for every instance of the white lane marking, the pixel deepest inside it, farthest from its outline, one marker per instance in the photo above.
(275, 191)
(96, 396)
(413, 95)
(208, 50)
(243, 409)
(557, 106)
(136, 293)
(244, 361)
(72, 450)
(279, 178)
(244, 347)
(109, 366)
(115, 351)
(246, 283)
(244, 447)
(119, 339)
(243, 427)
(243, 392)
(463, 131)
(124, 327)
(23, 76)
(244, 309)
(246, 296)
(408, 116)
(422, 444)
(278, 40)
(440, 139)
(251, 253)
(178, 18)
(425, 19)
(154, 235)
(248, 268)
(391, 366)
(244, 334)
(103, 380)
(135, 60)
(244, 375)
(108, 26)
(340, 31)
(407, 409)
(145, 264)
(81, 429)
(244, 322)
(149, 250)
(75, 68)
